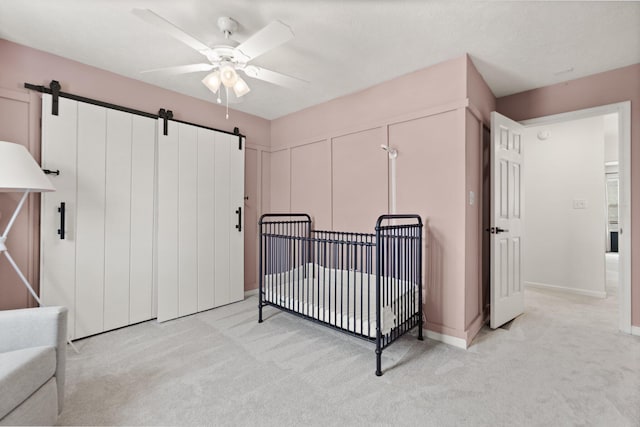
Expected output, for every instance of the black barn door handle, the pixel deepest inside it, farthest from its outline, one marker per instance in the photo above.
(239, 225)
(62, 210)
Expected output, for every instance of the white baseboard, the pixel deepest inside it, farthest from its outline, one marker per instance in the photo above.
(446, 339)
(585, 292)
(250, 293)
(635, 330)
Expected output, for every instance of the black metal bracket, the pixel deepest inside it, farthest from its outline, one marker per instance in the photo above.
(236, 131)
(55, 93)
(50, 172)
(165, 115)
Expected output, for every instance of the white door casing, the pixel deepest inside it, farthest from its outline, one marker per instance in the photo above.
(623, 109)
(507, 292)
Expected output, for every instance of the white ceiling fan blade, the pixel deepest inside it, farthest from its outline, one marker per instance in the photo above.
(271, 36)
(274, 77)
(169, 28)
(181, 69)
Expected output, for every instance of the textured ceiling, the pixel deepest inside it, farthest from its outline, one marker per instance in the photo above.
(340, 46)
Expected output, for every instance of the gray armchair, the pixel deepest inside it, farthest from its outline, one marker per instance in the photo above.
(32, 365)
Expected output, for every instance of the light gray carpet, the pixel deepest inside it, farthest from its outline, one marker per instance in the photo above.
(561, 363)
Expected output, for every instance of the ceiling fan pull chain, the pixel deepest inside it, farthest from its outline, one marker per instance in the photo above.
(226, 89)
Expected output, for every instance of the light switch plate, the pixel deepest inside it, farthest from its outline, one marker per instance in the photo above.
(579, 204)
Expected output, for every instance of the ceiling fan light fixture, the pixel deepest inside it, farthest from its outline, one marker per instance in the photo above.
(228, 75)
(212, 81)
(241, 87)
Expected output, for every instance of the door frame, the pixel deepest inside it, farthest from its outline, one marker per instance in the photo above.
(624, 163)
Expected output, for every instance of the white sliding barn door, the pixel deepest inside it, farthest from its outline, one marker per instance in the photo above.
(200, 249)
(102, 269)
(507, 292)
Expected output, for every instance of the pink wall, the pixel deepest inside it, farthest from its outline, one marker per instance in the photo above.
(21, 64)
(481, 104)
(431, 183)
(359, 181)
(431, 87)
(424, 115)
(310, 167)
(473, 219)
(609, 87)
(16, 116)
(280, 181)
(251, 214)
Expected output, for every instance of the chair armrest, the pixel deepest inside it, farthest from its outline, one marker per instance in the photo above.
(32, 327)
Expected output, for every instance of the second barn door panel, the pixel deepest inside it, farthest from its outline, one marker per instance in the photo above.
(200, 195)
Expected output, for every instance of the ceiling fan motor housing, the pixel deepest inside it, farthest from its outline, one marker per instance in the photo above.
(219, 54)
(227, 25)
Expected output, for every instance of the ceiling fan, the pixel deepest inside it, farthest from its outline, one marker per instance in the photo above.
(227, 59)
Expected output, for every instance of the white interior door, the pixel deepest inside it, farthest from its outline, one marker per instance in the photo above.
(507, 292)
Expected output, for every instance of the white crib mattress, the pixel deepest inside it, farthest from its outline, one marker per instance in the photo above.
(311, 290)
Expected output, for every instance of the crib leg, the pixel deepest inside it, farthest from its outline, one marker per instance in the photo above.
(420, 333)
(378, 363)
(259, 313)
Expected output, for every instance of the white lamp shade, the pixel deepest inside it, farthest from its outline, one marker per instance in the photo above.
(19, 171)
(228, 76)
(241, 87)
(212, 81)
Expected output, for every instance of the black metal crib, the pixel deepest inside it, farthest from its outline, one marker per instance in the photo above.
(365, 285)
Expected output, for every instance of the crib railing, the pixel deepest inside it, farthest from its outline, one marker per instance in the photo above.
(366, 285)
